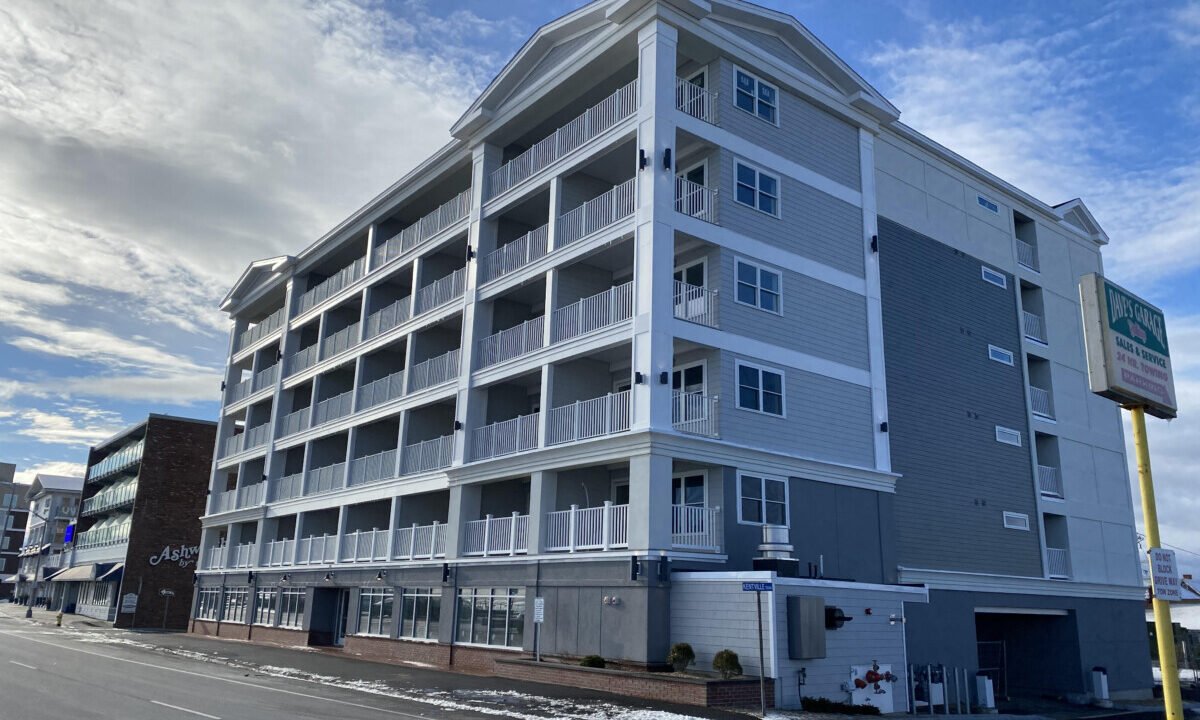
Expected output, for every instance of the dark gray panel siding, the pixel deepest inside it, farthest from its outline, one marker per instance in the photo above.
(945, 398)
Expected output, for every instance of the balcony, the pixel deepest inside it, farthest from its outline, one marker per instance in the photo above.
(512, 342)
(695, 413)
(364, 546)
(697, 304)
(1034, 326)
(1058, 563)
(420, 542)
(294, 422)
(427, 455)
(238, 498)
(340, 341)
(325, 479)
(331, 285)
(515, 255)
(287, 487)
(241, 556)
(440, 292)
(695, 200)
(592, 313)
(265, 327)
(124, 458)
(595, 121)
(277, 552)
(301, 360)
(1040, 402)
(373, 468)
(389, 317)
(434, 371)
(597, 528)
(696, 528)
(114, 496)
(1027, 255)
(214, 558)
(316, 550)
(696, 101)
(586, 419)
(1050, 482)
(596, 214)
(435, 222)
(262, 380)
(385, 389)
(333, 408)
(505, 438)
(254, 437)
(496, 535)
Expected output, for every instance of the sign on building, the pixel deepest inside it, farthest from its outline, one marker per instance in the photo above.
(539, 609)
(1164, 575)
(1128, 358)
(129, 602)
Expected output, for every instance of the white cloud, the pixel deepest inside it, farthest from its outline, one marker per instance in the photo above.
(57, 467)
(79, 425)
(1184, 25)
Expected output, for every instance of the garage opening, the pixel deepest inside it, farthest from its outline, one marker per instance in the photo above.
(1029, 652)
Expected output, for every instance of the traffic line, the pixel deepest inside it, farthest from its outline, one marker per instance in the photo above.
(183, 709)
(14, 662)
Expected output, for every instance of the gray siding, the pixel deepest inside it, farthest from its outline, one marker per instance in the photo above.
(551, 60)
(945, 398)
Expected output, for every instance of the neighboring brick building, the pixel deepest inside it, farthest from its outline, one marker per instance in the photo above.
(14, 513)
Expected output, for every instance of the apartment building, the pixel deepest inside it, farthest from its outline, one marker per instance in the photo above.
(631, 322)
(14, 513)
(136, 539)
(53, 502)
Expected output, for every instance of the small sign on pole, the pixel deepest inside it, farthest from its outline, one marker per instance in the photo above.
(758, 588)
(1164, 575)
(539, 610)
(539, 617)
(129, 602)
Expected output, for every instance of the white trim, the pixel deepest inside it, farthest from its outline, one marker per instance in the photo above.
(1021, 611)
(994, 277)
(1016, 584)
(682, 269)
(1016, 521)
(757, 81)
(738, 364)
(702, 362)
(691, 473)
(703, 163)
(770, 576)
(993, 351)
(1008, 436)
(758, 269)
(759, 171)
(764, 477)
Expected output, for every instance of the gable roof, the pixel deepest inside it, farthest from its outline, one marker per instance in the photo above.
(256, 273)
(1076, 213)
(42, 483)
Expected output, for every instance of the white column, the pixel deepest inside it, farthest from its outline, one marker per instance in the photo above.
(464, 507)
(879, 407)
(341, 533)
(547, 398)
(556, 186)
(649, 502)
(543, 491)
(393, 525)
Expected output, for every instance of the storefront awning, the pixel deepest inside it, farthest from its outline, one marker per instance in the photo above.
(79, 573)
(113, 574)
(14, 579)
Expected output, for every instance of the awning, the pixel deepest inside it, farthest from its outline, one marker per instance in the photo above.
(79, 573)
(112, 574)
(14, 579)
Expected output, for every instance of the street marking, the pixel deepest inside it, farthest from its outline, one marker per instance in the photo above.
(14, 662)
(183, 709)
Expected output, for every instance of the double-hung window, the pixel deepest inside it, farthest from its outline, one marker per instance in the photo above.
(758, 286)
(763, 500)
(375, 611)
(760, 389)
(421, 613)
(757, 97)
(756, 188)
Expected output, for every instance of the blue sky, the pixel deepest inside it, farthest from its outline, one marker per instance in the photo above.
(150, 152)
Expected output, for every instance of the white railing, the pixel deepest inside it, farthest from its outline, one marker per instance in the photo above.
(1059, 563)
(440, 292)
(241, 556)
(597, 528)
(593, 122)
(695, 200)
(389, 317)
(223, 501)
(592, 313)
(300, 360)
(265, 378)
(364, 546)
(496, 535)
(1049, 481)
(238, 498)
(256, 436)
(373, 468)
(697, 304)
(239, 391)
(316, 549)
(340, 341)
(1027, 255)
(512, 342)
(505, 438)
(234, 444)
(1040, 400)
(331, 409)
(449, 213)
(696, 101)
(695, 413)
(112, 535)
(696, 528)
(251, 495)
(427, 455)
(114, 495)
(214, 557)
(434, 371)
(514, 255)
(595, 214)
(382, 390)
(585, 419)
(1035, 326)
(265, 327)
(288, 487)
(276, 553)
(294, 422)
(331, 285)
(121, 459)
(325, 479)
(420, 542)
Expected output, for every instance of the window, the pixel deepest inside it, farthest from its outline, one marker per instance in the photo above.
(988, 204)
(235, 605)
(208, 605)
(291, 607)
(1000, 355)
(1008, 436)
(756, 97)
(1016, 521)
(758, 189)
(759, 389)
(264, 606)
(996, 278)
(421, 612)
(491, 616)
(758, 286)
(375, 611)
(5, 541)
(762, 500)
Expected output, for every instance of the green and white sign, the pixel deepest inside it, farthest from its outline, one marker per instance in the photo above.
(1128, 357)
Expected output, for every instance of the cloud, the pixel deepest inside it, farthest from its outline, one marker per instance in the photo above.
(57, 467)
(1184, 25)
(78, 425)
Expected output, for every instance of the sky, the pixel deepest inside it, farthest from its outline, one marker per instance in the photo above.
(148, 152)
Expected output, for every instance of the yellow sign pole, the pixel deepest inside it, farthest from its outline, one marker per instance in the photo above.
(1162, 609)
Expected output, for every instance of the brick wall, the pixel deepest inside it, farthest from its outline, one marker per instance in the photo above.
(278, 636)
(478, 660)
(233, 631)
(387, 650)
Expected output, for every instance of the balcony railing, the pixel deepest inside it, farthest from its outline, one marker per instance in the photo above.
(112, 535)
(449, 213)
(287, 487)
(254, 437)
(695, 413)
(585, 419)
(382, 390)
(238, 498)
(277, 552)
(325, 479)
(427, 455)
(294, 422)
(496, 535)
(1040, 400)
(441, 291)
(331, 285)
(340, 341)
(265, 327)
(512, 342)
(265, 378)
(592, 313)
(1027, 255)
(241, 556)
(118, 461)
(514, 255)
(316, 549)
(420, 542)
(696, 528)
(592, 123)
(596, 214)
(214, 557)
(113, 496)
(364, 546)
(331, 409)
(434, 371)
(1058, 563)
(696, 304)
(1035, 326)
(300, 360)
(1049, 481)
(505, 438)
(373, 468)
(695, 200)
(696, 101)
(597, 528)
(389, 317)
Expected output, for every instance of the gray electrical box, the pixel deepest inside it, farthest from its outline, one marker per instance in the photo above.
(805, 627)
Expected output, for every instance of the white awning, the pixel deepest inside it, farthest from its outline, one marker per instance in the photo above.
(14, 579)
(112, 573)
(79, 573)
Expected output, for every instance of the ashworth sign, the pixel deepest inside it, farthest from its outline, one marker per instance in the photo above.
(1128, 357)
(183, 554)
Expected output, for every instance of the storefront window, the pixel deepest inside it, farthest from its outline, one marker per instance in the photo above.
(291, 607)
(264, 606)
(491, 616)
(375, 611)
(235, 605)
(421, 613)
(208, 607)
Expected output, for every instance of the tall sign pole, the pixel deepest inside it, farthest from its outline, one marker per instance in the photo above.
(1129, 361)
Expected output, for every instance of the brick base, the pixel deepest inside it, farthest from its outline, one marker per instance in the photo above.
(398, 651)
(278, 636)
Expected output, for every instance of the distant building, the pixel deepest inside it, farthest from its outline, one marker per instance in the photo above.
(1185, 621)
(53, 502)
(14, 512)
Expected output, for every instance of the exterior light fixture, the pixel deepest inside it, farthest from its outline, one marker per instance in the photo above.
(638, 379)
(458, 425)
(667, 159)
(381, 575)
(641, 159)
(328, 577)
(664, 377)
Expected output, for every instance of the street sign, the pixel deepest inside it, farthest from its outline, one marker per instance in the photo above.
(539, 609)
(757, 587)
(1164, 575)
(167, 592)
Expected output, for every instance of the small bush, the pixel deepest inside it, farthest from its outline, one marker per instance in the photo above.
(726, 663)
(825, 705)
(592, 661)
(681, 656)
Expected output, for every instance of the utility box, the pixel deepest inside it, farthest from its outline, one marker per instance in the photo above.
(805, 627)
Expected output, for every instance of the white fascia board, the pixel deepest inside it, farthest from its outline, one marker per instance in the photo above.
(255, 512)
(580, 346)
(1019, 585)
(918, 592)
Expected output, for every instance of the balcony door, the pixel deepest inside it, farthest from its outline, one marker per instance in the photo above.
(688, 388)
(690, 300)
(689, 497)
(690, 196)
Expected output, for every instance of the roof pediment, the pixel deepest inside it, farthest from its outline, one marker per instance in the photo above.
(1076, 213)
(256, 274)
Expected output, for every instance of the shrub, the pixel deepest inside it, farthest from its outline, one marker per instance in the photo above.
(680, 656)
(825, 705)
(726, 663)
(592, 661)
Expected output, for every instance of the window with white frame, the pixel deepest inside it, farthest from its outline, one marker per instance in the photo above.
(291, 607)
(762, 500)
(235, 605)
(1000, 355)
(996, 278)
(756, 188)
(421, 613)
(491, 616)
(208, 604)
(1008, 436)
(758, 286)
(264, 606)
(756, 97)
(760, 389)
(375, 611)
(1016, 521)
